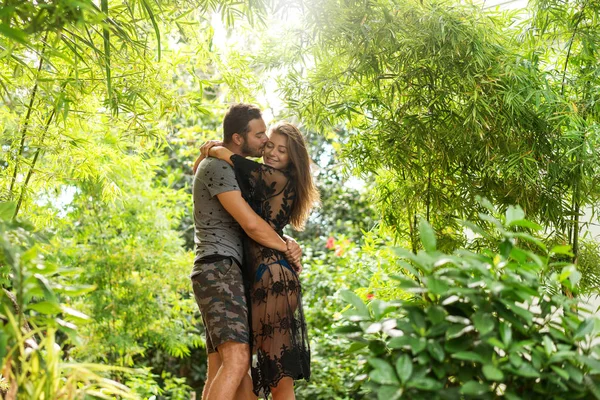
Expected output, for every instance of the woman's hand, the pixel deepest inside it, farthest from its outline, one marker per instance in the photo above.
(205, 148)
(204, 152)
(293, 253)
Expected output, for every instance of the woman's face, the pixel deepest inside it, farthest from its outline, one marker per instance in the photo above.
(276, 151)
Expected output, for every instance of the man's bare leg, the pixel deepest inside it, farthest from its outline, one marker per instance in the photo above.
(245, 392)
(235, 362)
(284, 390)
(214, 363)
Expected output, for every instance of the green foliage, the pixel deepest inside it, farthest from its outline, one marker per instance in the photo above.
(484, 324)
(35, 312)
(446, 102)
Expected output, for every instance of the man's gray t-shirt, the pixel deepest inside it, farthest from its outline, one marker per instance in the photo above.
(216, 232)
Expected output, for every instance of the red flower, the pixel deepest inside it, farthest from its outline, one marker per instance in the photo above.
(370, 296)
(330, 243)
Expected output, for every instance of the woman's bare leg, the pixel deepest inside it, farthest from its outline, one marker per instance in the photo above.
(284, 390)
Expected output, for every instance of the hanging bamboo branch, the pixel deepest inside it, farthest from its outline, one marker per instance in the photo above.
(28, 118)
(35, 158)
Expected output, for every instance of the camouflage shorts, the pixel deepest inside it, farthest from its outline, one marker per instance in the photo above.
(219, 292)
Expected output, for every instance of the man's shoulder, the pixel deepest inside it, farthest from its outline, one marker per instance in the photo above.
(211, 164)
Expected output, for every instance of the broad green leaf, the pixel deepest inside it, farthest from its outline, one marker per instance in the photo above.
(45, 307)
(492, 373)
(436, 314)
(7, 209)
(348, 329)
(563, 249)
(548, 345)
(351, 297)
(560, 372)
(514, 214)
(527, 371)
(505, 333)
(436, 350)
(585, 328)
(427, 236)
(484, 322)
(356, 346)
(17, 35)
(574, 373)
(437, 286)
(456, 331)
(383, 372)
(427, 384)
(389, 392)
(404, 367)
(468, 356)
(474, 388)
(592, 363)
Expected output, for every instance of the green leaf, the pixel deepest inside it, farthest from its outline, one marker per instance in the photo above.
(437, 286)
(16, 35)
(514, 214)
(383, 372)
(389, 392)
(468, 356)
(404, 367)
(436, 350)
(356, 346)
(592, 363)
(45, 307)
(505, 333)
(484, 322)
(527, 371)
(585, 328)
(456, 331)
(427, 384)
(348, 329)
(436, 314)
(560, 372)
(427, 236)
(492, 373)
(574, 372)
(7, 209)
(564, 250)
(351, 297)
(474, 388)
(548, 345)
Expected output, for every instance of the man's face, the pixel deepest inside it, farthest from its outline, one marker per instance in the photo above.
(255, 139)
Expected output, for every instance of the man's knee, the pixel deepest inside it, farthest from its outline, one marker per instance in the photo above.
(235, 356)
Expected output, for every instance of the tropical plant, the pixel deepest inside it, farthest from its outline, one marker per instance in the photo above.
(488, 324)
(35, 312)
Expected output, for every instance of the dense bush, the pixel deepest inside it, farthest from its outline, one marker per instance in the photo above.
(486, 324)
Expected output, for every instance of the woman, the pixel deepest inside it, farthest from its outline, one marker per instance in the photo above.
(281, 191)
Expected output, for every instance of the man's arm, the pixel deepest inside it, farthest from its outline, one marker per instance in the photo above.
(257, 228)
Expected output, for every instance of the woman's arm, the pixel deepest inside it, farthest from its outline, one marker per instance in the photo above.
(222, 153)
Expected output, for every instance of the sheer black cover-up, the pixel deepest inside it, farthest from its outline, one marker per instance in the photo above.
(279, 341)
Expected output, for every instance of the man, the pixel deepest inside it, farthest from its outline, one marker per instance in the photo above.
(220, 214)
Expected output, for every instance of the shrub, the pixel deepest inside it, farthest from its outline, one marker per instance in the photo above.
(486, 324)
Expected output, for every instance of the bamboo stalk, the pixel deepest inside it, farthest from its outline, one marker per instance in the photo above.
(35, 158)
(27, 118)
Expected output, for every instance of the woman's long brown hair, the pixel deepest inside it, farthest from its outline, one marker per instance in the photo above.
(307, 195)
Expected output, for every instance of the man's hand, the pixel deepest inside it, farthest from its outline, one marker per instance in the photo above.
(293, 253)
(204, 149)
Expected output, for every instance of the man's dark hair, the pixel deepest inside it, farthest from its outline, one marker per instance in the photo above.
(237, 119)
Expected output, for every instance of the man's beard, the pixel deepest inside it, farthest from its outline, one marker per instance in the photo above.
(250, 151)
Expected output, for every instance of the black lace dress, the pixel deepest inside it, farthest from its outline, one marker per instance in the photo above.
(279, 344)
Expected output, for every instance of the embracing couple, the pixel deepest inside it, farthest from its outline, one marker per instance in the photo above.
(245, 274)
